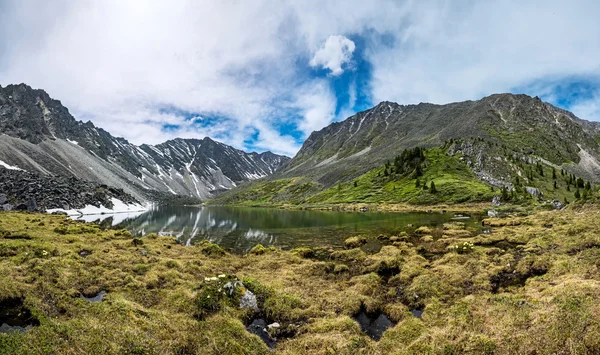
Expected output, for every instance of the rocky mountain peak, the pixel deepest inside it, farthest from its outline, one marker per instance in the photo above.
(520, 122)
(41, 136)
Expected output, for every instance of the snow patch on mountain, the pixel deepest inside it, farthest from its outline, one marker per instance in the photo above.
(118, 207)
(9, 167)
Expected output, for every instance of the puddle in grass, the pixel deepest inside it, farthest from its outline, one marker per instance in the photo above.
(95, 298)
(373, 324)
(15, 317)
(418, 313)
(259, 327)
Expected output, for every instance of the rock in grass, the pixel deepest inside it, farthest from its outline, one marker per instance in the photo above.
(493, 213)
(248, 300)
(496, 201)
(355, 242)
(558, 205)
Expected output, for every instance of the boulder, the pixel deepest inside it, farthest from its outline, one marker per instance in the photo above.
(3, 199)
(534, 191)
(493, 213)
(558, 205)
(496, 201)
(247, 299)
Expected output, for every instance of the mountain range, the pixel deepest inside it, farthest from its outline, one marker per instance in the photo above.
(506, 141)
(500, 141)
(38, 135)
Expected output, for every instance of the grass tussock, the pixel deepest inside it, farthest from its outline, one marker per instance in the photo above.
(531, 286)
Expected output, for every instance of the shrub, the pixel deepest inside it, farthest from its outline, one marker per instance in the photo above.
(216, 292)
(137, 242)
(355, 242)
(258, 249)
(304, 252)
(210, 249)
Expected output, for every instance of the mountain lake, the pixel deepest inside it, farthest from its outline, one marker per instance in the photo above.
(238, 229)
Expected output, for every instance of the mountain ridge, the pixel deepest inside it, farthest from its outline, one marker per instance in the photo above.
(501, 139)
(38, 134)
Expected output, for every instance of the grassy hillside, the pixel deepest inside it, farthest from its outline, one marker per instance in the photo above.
(531, 286)
(454, 180)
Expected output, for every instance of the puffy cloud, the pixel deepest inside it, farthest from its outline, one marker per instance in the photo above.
(335, 52)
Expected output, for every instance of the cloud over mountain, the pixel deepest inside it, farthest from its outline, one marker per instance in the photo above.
(262, 75)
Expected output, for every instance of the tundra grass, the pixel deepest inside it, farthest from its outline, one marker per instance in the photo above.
(531, 286)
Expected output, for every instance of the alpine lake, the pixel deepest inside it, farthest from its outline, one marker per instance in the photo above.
(238, 229)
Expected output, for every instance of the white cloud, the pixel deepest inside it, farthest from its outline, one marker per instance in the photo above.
(120, 63)
(588, 109)
(316, 103)
(333, 54)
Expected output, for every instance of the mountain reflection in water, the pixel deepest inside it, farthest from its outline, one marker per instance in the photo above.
(238, 229)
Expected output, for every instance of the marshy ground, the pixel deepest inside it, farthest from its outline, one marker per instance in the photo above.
(529, 286)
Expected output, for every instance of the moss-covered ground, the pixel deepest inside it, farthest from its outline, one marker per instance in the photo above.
(530, 286)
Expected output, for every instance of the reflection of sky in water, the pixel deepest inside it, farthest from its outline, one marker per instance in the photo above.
(114, 219)
(239, 229)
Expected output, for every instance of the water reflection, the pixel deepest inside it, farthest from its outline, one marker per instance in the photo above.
(239, 229)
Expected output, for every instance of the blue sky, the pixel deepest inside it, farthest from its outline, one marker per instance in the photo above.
(262, 75)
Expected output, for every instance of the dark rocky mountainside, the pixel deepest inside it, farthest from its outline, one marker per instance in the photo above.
(39, 135)
(519, 123)
(20, 190)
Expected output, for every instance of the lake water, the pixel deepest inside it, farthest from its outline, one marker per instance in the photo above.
(238, 229)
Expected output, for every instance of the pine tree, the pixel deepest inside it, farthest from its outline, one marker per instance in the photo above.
(432, 188)
(425, 185)
(588, 186)
(417, 183)
(577, 194)
(555, 186)
(566, 201)
(568, 187)
(553, 173)
(339, 187)
(504, 193)
(355, 184)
